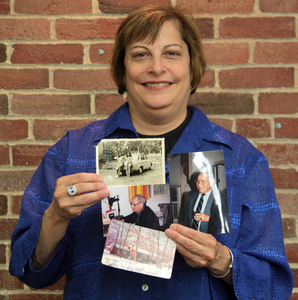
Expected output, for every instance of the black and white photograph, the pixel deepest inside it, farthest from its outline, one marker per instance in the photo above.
(143, 205)
(199, 191)
(131, 161)
(139, 249)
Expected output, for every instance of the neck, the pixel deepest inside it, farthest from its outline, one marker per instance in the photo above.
(157, 122)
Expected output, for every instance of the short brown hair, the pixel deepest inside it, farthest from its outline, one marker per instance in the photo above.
(146, 22)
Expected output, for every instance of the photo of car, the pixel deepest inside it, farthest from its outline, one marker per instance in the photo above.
(135, 162)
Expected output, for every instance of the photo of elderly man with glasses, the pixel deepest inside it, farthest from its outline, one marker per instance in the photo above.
(205, 208)
(142, 214)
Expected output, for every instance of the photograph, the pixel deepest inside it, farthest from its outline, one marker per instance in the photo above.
(199, 191)
(139, 249)
(131, 161)
(143, 205)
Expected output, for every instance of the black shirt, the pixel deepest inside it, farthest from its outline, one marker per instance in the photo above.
(172, 136)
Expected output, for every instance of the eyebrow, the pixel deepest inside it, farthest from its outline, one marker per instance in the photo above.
(166, 46)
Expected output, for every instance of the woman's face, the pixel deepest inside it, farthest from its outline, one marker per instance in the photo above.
(157, 76)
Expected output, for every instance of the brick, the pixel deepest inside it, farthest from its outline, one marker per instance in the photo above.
(28, 155)
(4, 10)
(83, 79)
(55, 129)
(7, 227)
(223, 103)
(274, 53)
(4, 154)
(292, 252)
(288, 129)
(295, 276)
(280, 154)
(124, 6)
(289, 227)
(208, 79)
(47, 54)
(3, 55)
(35, 297)
(16, 204)
(13, 130)
(24, 79)
(23, 29)
(257, 27)
(294, 296)
(3, 105)
(288, 203)
(101, 53)
(226, 123)
(285, 178)
(2, 254)
(253, 128)
(16, 180)
(284, 6)
(105, 104)
(60, 7)
(206, 27)
(3, 205)
(218, 7)
(256, 78)
(9, 282)
(278, 103)
(50, 104)
(226, 53)
(102, 28)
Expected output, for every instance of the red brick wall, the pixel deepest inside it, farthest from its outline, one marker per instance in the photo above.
(53, 78)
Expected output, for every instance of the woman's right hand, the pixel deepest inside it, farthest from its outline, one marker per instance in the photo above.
(90, 190)
(64, 207)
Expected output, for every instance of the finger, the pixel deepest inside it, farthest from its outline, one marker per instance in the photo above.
(189, 249)
(86, 187)
(187, 241)
(88, 199)
(78, 178)
(74, 205)
(181, 232)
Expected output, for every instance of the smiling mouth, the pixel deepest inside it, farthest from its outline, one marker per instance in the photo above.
(157, 84)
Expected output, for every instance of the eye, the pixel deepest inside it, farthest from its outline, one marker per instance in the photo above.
(140, 55)
(172, 54)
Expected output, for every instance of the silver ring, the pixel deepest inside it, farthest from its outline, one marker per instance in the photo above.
(72, 190)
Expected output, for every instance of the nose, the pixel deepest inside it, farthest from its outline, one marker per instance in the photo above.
(157, 65)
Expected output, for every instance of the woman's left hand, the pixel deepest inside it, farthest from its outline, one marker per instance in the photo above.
(200, 249)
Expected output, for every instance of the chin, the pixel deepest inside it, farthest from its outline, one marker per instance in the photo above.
(159, 104)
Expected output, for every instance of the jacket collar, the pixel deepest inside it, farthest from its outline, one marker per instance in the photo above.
(198, 129)
(118, 120)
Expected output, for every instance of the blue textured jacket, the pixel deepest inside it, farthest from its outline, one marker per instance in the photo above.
(260, 268)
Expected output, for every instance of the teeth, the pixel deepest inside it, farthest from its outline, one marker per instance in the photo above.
(156, 84)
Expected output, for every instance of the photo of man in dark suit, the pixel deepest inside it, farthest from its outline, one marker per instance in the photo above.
(205, 209)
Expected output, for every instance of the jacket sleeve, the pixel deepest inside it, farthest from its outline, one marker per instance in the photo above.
(260, 268)
(36, 199)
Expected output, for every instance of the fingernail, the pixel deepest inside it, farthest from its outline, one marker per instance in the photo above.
(103, 185)
(173, 226)
(106, 192)
(168, 232)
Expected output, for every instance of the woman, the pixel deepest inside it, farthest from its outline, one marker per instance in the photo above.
(157, 62)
